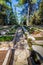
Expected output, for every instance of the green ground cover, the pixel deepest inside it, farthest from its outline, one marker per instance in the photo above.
(39, 38)
(12, 30)
(6, 38)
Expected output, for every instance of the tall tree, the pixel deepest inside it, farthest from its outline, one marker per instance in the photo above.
(13, 17)
(30, 4)
(4, 8)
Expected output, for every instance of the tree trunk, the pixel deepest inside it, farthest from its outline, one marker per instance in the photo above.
(28, 17)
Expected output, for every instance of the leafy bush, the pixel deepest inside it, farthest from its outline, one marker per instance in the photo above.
(31, 30)
(29, 42)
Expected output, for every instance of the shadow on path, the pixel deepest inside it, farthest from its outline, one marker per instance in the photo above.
(12, 57)
(36, 55)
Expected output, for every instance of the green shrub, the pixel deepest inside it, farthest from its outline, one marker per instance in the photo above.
(29, 42)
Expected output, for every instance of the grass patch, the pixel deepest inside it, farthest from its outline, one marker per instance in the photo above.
(6, 38)
(39, 38)
(1, 28)
(38, 44)
(11, 32)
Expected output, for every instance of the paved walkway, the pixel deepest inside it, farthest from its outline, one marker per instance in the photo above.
(21, 49)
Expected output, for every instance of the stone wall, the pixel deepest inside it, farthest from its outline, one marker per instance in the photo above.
(7, 58)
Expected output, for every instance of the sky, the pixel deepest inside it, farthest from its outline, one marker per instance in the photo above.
(13, 3)
(17, 9)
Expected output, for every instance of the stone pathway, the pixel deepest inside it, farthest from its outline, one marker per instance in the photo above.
(21, 49)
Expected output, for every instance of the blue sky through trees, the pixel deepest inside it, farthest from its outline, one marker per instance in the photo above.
(19, 10)
(14, 2)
